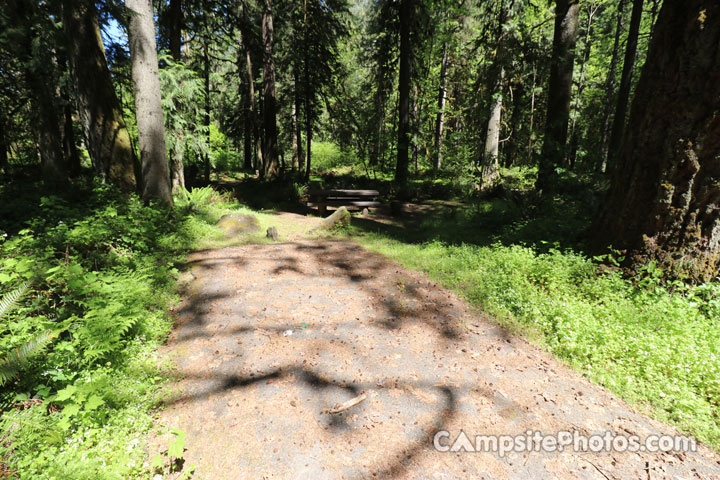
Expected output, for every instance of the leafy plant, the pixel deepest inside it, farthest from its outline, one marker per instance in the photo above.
(171, 460)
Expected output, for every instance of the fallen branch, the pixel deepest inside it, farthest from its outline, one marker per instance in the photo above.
(344, 406)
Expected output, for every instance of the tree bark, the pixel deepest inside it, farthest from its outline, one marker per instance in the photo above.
(41, 79)
(175, 30)
(148, 105)
(3, 147)
(664, 200)
(625, 84)
(572, 154)
(253, 108)
(415, 127)
(490, 171)
(70, 151)
(107, 136)
(206, 116)
(401, 171)
(559, 92)
(610, 88)
(270, 160)
(440, 120)
(298, 157)
(308, 139)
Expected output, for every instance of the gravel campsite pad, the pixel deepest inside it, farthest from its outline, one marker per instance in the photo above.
(271, 338)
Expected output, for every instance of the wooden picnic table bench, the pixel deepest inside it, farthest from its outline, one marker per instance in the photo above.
(342, 198)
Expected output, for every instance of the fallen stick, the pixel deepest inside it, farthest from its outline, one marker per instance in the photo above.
(344, 406)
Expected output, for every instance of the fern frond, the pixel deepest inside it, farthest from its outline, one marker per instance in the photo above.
(8, 300)
(11, 365)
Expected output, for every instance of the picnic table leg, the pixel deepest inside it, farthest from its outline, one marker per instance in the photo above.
(322, 209)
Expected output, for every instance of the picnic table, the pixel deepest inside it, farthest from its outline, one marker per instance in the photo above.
(342, 198)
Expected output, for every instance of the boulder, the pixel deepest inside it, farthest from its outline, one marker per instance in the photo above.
(239, 224)
(340, 217)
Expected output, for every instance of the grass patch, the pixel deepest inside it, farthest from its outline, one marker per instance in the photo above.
(652, 344)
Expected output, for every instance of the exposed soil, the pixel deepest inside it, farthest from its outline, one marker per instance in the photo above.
(268, 336)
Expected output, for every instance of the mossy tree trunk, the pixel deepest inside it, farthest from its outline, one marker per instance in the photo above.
(107, 136)
(664, 201)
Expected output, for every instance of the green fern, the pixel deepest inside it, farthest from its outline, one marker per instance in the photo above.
(8, 301)
(11, 365)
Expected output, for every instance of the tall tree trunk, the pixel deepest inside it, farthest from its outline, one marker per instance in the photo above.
(415, 128)
(247, 128)
(559, 92)
(616, 136)
(610, 87)
(148, 105)
(308, 139)
(177, 167)
(376, 148)
(270, 160)
(177, 173)
(107, 136)
(298, 126)
(516, 123)
(3, 147)
(572, 154)
(175, 30)
(253, 105)
(295, 138)
(401, 171)
(40, 74)
(206, 116)
(663, 204)
(440, 120)
(490, 171)
(70, 151)
(531, 123)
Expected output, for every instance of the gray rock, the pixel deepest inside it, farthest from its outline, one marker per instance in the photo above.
(239, 224)
(272, 233)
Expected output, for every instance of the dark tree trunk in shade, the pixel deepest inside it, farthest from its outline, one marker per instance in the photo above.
(70, 151)
(148, 104)
(298, 159)
(41, 80)
(403, 147)
(664, 200)
(308, 140)
(107, 136)
(270, 158)
(559, 92)
(3, 147)
(175, 29)
(610, 88)
(625, 83)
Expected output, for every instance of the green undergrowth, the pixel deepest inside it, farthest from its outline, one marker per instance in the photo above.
(654, 344)
(102, 270)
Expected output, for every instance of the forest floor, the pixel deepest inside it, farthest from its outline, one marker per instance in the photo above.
(268, 336)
